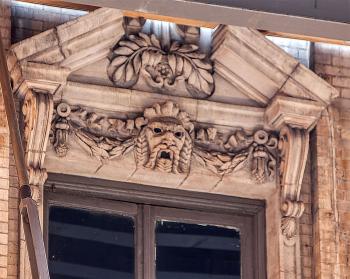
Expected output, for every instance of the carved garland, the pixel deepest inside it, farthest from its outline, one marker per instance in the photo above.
(164, 139)
(163, 68)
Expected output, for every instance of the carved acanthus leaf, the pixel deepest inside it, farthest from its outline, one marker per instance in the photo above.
(161, 67)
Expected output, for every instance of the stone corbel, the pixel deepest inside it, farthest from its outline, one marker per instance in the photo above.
(294, 118)
(37, 112)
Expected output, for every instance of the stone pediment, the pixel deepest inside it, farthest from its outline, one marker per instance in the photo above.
(100, 100)
(244, 68)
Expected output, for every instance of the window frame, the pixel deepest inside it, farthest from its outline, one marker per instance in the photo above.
(146, 204)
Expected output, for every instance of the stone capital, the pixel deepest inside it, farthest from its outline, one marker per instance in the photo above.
(293, 112)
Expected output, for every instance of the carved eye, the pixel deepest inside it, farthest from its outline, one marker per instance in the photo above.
(157, 130)
(178, 134)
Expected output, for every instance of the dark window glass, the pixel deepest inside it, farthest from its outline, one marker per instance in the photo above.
(190, 251)
(89, 245)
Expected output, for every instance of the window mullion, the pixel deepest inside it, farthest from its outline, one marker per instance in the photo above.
(148, 242)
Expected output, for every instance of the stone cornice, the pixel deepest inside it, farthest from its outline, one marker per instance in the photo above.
(259, 59)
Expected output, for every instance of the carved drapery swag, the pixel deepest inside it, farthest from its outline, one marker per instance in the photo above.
(165, 66)
(165, 139)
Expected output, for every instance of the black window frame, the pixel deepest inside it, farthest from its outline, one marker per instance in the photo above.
(146, 204)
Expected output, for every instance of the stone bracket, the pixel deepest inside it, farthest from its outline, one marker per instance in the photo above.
(294, 118)
(37, 112)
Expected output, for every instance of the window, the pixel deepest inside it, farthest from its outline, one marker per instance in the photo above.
(97, 229)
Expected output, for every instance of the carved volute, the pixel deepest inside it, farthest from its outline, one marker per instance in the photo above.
(294, 119)
(37, 112)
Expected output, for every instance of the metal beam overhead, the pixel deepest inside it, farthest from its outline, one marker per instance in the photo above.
(316, 18)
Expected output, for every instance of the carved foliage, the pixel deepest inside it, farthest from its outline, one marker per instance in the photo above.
(293, 147)
(164, 139)
(257, 152)
(103, 137)
(162, 68)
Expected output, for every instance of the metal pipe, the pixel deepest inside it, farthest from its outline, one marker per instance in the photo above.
(29, 210)
(15, 136)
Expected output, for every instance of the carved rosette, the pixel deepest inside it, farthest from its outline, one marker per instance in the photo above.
(165, 139)
(163, 67)
(293, 147)
(37, 113)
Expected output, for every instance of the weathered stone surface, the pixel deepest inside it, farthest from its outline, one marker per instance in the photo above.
(220, 145)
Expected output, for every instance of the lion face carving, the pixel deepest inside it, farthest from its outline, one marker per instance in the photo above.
(165, 142)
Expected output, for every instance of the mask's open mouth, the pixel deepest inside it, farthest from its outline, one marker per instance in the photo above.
(165, 154)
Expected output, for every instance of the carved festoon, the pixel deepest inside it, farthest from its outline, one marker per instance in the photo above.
(256, 152)
(163, 67)
(165, 139)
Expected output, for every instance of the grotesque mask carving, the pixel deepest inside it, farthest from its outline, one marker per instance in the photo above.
(165, 142)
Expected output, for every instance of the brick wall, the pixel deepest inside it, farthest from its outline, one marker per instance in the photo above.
(306, 233)
(332, 171)
(5, 27)
(31, 19)
(299, 49)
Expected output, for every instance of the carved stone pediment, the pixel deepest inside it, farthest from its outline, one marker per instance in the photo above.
(242, 67)
(126, 105)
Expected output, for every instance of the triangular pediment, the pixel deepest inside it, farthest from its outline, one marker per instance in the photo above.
(246, 68)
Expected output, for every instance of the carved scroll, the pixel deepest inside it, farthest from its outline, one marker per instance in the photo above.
(37, 112)
(162, 66)
(294, 118)
(164, 139)
(293, 147)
